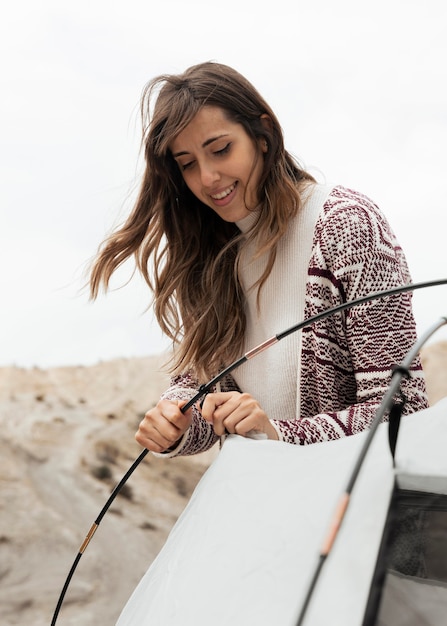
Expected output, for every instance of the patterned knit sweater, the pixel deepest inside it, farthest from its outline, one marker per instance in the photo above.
(344, 362)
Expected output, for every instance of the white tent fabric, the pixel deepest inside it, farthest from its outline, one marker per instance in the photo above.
(244, 549)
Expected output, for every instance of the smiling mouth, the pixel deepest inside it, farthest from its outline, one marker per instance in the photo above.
(224, 194)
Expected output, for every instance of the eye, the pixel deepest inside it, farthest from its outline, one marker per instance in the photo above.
(224, 150)
(185, 166)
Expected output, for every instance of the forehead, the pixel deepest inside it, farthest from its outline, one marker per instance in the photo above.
(208, 123)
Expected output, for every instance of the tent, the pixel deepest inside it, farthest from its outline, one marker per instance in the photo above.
(245, 547)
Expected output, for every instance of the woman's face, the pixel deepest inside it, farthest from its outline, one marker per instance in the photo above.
(220, 163)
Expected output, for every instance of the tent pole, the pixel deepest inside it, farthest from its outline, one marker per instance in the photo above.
(399, 373)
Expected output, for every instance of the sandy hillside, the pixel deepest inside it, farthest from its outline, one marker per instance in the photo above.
(434, 361)
(67, 437)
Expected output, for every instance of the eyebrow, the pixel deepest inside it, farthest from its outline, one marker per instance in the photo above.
(204, 145)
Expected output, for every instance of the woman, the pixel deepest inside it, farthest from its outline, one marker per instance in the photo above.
(237, 243)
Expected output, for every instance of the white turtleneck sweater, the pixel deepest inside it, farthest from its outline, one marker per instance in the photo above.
(281, 306)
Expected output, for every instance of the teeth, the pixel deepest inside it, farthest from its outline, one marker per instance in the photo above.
(224, 194)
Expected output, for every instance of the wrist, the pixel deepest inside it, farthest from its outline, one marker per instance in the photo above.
(271, 431)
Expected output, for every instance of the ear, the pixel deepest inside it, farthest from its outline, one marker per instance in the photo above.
(266, 122)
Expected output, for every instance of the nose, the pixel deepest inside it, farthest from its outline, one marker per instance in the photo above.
(208, 175)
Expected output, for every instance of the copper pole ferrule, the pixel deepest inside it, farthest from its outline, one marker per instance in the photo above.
(262, 346)
(90, 534)
(336, 523)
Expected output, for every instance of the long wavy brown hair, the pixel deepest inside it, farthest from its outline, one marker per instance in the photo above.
(186, 253)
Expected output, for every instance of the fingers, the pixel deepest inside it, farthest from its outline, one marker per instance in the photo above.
(163, 426)
(234, 412)
(214, 410)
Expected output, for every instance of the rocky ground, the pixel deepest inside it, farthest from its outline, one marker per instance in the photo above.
(66, 438)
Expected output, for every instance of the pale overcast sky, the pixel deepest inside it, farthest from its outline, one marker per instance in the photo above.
(359, 87)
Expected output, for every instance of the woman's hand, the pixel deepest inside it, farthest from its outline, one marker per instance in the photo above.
(163, 426)
(238, 413)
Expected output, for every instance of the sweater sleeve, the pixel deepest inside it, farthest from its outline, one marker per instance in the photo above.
(347, 359)
(200, 436)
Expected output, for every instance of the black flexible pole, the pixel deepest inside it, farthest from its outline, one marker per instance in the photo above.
(93, 529)
(400, 372)
(204, 389)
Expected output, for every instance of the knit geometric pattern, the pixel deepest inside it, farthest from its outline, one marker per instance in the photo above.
(347, 358)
